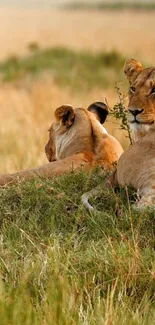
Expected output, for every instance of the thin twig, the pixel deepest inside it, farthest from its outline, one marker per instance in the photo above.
(120, 112)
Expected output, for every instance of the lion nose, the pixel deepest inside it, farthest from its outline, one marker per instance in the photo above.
(135, 112)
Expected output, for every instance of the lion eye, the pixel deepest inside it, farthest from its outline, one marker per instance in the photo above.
(153, 91)
(132, 89)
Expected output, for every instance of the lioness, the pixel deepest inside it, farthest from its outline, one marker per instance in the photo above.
(76, 139)
(136, 166)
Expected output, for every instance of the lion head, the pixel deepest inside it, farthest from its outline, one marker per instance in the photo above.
(141, 106)
(71, 132)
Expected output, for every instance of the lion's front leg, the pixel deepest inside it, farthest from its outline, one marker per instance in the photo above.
(147, 201)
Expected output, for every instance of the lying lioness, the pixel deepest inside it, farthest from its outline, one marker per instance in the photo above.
(77, 140)
(136, 167)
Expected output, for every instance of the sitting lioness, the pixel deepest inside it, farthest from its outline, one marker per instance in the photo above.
(136, 166)
(77, 140)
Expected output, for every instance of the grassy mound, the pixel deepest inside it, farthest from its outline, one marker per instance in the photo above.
(62, 265)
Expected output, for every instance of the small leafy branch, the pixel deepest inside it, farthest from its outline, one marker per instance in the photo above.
(120, 113)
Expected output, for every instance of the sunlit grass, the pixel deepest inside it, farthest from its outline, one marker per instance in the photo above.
(60, 264)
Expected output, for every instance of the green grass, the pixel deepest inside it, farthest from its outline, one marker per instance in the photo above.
(61, 265)
(77, 70)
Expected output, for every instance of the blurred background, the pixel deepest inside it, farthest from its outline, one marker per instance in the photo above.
(57, 52)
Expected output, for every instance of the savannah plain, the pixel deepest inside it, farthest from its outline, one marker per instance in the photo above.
(59, 264)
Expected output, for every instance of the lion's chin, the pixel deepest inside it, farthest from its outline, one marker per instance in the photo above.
(139, 130)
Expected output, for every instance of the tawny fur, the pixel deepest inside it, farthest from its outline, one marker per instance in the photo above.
(77, 140)
(136, 166)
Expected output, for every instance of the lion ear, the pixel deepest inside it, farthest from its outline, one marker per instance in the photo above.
(131, 69)
(65, 114)
(100, 109)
